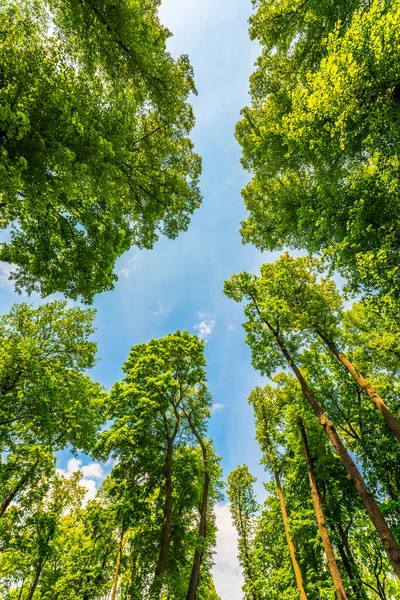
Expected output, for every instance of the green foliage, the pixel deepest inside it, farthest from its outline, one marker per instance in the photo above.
(52, 543)
(47, 398)
(364, 568)
(159, 414)
(94, 149)
(321, 136)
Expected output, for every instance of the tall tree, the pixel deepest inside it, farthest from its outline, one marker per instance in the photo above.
(94, 149)
(277, 408)
(266, 427)
(244, 507)
(274, 341)
(47, 399)
(316, 305)
(319, 513)
(165, 463)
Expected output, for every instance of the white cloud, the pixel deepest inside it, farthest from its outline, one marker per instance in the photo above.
(217, 407)
(5, 271)
(90, 472)
(160, 310)
(227, 573)
(205, 329)
(94, 470)
(129, 267)
(231, 328)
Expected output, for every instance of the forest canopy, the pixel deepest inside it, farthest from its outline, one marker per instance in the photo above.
(95, 154)
(96, 157)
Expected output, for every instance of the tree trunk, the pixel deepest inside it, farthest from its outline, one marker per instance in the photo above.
(35, 582)
(385, 535)
(8, 499)
(292, 549)
(365, 385)
(133, 576)
(117, 566)
(350, 566)
(247, 570)
(166, 527)
(337, 579)
(198, 555)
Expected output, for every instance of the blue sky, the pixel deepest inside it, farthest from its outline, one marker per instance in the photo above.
(178, 284)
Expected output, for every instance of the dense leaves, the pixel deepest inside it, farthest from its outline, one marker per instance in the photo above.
(321, 136)
(150, 531)
(94, 148)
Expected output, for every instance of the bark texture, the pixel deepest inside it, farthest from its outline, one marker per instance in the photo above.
(296, 567)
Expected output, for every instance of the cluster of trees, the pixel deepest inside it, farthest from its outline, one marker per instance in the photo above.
(95, 157)
(321, 135)
(321, 423)
(150, 531)
(321, 141)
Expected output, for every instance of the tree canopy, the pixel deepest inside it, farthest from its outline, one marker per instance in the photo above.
(321, 136)
(94, 149)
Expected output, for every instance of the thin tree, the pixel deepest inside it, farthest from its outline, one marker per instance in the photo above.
(243, 508)
(202, 533)
(117, 565)
(263, 435)
(330, 556)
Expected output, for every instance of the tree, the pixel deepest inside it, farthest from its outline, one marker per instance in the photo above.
(165, 464)
(195, 416)
(316, 305)
(319, 513)
(33, 543)
(243, 507)
(277, 408)
(320, 136)
(266, 430)
(94, 149)
(47, 400)
(274, 342)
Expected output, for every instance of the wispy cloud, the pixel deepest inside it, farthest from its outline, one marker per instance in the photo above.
(160, 310)
(205, 328)
(217, 407)
(129, 267)
(231, 328)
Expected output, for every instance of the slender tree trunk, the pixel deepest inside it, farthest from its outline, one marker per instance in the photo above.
(198, 555)
(166, 526)
(365, 385)
(292, 549)
(117, 566)
(10, 497)
(385, 535)
(337, 579)
(21, 589)
(132, 576)
(248, 571)
(352, 572)
(35, 582)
